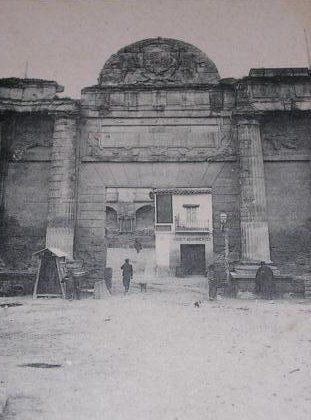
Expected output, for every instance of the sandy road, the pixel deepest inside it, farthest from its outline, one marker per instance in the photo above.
(157, 357)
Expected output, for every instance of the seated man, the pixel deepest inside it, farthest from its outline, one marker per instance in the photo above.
(265, 284)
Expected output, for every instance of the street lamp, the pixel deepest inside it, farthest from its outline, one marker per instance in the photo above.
(224, 229)
(223, 220)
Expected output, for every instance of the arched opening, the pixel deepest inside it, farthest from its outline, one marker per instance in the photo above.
(145, 218)
(111, 220)
(144, 231)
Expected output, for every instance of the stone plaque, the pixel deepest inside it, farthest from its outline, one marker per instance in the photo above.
(164, 143)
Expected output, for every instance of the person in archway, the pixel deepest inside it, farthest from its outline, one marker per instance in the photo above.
(127, 274)
(264, 283)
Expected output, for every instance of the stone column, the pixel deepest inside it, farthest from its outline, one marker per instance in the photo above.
(254, 225)
(2, 171)
(62, 185)
(7, 128)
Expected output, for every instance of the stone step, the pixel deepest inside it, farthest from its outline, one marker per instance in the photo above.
(249, 270)
(74, 264)
(307, 284)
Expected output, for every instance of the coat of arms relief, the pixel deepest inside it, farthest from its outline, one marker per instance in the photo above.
(157, 62)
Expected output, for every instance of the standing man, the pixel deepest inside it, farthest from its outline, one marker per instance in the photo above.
(265, 285)
(127, 274)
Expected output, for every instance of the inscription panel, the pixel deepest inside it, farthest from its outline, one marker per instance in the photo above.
(171, 143)
(154, 136)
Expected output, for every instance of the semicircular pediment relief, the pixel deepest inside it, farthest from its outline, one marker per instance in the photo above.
(158, 61)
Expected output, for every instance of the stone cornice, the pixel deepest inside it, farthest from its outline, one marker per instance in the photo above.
(123, 157)
(183, 191)
(18, 83)
(205, 87)
(51, 106)
(247, 117)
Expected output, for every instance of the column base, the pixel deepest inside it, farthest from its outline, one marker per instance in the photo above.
(249, 269)
(244, 274)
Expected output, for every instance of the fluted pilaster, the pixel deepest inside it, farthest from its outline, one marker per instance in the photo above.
(61, 211)
(254, 225)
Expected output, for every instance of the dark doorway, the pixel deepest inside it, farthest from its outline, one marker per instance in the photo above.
(192, 259)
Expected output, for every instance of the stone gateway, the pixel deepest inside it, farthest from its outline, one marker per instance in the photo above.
(163, 152)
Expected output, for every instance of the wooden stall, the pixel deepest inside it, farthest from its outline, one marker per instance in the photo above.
(50, 274)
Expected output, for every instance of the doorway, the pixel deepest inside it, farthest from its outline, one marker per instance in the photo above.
(192, 258)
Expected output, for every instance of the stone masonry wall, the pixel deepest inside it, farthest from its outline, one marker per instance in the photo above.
(287, 154)
(90, 241)
(26, 145)
(289, 216)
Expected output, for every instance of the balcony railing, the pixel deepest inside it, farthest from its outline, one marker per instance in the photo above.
(191, 226)
(142, 196)
(112, 196)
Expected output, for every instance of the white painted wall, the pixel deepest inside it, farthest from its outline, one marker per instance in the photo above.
(204, 210)
(130, 194)
(168, 243)
(163, 246)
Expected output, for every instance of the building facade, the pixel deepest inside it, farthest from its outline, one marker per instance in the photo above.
(160, 137)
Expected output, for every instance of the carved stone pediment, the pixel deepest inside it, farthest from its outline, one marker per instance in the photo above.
(158, 61)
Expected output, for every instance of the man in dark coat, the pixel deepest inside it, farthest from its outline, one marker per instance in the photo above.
(127, 274)
(265, 285)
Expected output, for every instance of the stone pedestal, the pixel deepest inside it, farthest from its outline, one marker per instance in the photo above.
(307, 284)
(61, 201)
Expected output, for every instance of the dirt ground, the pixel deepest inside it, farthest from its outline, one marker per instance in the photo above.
(156, 356)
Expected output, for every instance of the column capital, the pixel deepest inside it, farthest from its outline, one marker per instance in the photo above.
(67, 115)
(248, 121)
(250, 118)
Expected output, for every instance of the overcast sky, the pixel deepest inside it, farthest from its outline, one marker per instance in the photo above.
(70, 40)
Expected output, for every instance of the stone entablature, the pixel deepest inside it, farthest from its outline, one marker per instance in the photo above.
(280, 72)
(118, 103)
(274, 90)
(28, 89)
(50, 106)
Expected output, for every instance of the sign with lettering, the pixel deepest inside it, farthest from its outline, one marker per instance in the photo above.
(192, 238)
